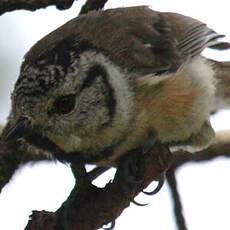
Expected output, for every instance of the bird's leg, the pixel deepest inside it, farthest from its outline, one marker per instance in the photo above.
(131, 172)
(82, 186)
(80, 174)
(147, 148)
(131, 169)
(163, 161)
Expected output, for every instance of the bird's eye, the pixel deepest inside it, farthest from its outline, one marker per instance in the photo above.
(64, 104)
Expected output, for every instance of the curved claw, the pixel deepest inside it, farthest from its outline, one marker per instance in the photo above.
(138, 204)
(111, 227)
(158, 188)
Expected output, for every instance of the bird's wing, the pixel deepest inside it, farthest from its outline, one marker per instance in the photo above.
(193, 36)
(137, 39)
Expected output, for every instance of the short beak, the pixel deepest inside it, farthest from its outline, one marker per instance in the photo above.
(17, 131)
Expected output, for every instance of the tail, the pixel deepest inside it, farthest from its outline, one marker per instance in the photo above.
(222, 75)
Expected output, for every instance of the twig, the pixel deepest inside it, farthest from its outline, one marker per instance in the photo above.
(92, 5)
(178, 209)
(220, 147)
(96, 172)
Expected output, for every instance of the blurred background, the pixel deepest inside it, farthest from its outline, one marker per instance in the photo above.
(204, 187)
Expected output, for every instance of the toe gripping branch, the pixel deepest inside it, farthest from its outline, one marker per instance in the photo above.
(89, 207)
(134, 167)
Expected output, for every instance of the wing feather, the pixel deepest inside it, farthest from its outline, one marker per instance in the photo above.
(193, 36)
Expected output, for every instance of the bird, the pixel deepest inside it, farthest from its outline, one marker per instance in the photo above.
(111, 81)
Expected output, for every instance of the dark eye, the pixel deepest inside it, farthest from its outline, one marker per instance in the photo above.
(64, 104)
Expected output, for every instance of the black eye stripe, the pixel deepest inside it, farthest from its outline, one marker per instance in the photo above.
(110, 99)
(93, 73)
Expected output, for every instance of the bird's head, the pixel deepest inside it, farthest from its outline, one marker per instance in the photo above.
(72, 95)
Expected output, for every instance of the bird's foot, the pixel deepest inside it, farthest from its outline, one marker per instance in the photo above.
(130, 172)
(131, 169)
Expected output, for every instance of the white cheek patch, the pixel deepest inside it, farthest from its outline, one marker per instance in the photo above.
(118, 82)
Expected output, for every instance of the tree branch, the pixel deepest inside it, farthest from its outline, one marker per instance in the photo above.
(11, 158)
(89, 207)
(103, 204)
(219, 147)
(32, 5)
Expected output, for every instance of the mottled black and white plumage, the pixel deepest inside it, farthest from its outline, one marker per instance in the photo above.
(110, 81)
